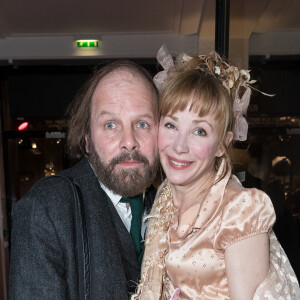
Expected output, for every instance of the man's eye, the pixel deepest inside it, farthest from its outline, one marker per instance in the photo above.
(170, 126)
(200, 132)
(142, 125)
(110, 125)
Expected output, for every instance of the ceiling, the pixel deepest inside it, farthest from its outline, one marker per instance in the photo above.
(35, 29)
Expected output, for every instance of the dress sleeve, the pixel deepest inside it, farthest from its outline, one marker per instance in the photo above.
(245, 214)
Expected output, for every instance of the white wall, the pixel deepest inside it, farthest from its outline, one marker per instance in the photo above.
(110, 46)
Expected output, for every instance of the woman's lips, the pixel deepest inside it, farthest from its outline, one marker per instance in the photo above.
(178, 164)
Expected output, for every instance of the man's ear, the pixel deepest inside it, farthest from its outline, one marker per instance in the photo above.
(228, 139)
(86, 137)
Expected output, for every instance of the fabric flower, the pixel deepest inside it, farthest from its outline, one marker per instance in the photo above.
(217, 70)
(245, 75)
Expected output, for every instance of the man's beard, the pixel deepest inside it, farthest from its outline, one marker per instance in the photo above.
(127, 183)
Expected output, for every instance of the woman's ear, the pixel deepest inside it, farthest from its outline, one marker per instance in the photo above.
(228, 140)
(86, 143)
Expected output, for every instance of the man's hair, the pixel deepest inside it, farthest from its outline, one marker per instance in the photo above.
(79, 112)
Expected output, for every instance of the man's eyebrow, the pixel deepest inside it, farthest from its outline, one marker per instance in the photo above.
(105, 112)
(142, 116)
(147, 116)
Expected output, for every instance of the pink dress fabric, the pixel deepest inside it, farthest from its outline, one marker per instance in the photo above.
(195, 261)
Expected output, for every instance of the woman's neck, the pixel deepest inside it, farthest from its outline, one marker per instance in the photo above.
(185, 196)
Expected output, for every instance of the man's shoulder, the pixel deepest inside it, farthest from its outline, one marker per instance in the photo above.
(51, 192)
(56, 190)
(79, 170)
(61, 182)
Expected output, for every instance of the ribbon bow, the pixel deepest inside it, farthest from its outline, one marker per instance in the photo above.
(233, 75)
(240, 106)
(165, 59)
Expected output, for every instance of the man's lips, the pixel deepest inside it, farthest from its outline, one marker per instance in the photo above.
(178, 164)
(130, 163)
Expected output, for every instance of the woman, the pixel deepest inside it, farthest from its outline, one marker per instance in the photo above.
(208, 237)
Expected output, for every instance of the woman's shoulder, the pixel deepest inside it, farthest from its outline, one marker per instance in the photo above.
(244, 212)
(246, 201)
(235, 192)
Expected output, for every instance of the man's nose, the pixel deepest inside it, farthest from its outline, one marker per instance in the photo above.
(180, 144)
(129, 140)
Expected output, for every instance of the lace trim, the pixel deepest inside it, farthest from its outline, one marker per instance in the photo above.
(160, 219)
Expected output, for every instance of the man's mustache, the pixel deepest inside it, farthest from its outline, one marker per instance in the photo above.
(136, 156)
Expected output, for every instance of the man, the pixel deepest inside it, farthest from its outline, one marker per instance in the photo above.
(113, 126)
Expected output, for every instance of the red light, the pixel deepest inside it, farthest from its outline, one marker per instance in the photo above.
(23, 126)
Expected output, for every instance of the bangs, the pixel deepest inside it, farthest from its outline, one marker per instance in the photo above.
(195, 89)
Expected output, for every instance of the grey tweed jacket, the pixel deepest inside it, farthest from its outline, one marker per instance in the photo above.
(43, 261)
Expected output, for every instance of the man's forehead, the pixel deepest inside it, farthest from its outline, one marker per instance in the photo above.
(128, 82)
(121, 76)
(125, 79)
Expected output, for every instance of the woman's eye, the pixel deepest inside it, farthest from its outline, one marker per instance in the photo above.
(142, 125)
(110, 125)
(170, 126)
(200, 132)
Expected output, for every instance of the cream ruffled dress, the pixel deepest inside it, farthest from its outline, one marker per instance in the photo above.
(188, 253)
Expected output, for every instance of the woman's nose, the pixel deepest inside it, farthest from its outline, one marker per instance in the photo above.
(180, 144)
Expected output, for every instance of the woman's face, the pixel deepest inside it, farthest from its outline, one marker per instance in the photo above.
(188, 145)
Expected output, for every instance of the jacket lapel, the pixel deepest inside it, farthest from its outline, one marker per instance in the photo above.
(126, 244)
(88, 181)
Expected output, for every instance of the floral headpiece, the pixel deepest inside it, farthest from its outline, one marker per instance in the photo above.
(231, 77)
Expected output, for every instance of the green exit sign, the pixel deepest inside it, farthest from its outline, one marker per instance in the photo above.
(87, 43)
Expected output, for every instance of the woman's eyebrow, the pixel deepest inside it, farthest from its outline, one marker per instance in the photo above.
(172, 117)
(196, 121)
(202, 121)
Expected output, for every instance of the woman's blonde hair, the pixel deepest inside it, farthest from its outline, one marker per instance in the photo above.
(204, 93)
